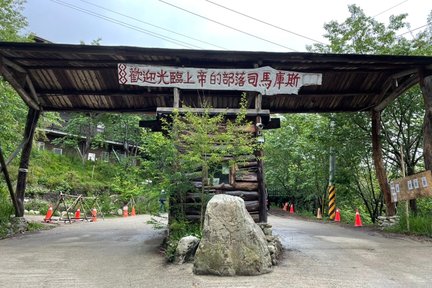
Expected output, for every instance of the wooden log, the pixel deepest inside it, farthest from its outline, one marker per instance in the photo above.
(249, 164)
(250, 177)
(246, 186)
(255, 217)
(252, 206)
(379, 163)
(193, 218)
(245, 195)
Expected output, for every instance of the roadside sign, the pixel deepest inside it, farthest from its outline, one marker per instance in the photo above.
(412, 187)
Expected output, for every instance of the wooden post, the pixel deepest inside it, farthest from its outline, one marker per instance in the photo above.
(3, 168)
(426, 87)
(403, 176)
(261, 180)
(379, 163)
(32, 118)
(176, 98)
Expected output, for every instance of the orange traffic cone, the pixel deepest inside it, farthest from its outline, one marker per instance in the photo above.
(319, 215)
(133, 211)
(285, 207)
(77, 214)
(49, 214)
(94, 213)
(337, 216)
(358, 221)
(125, 211)
(292, 209)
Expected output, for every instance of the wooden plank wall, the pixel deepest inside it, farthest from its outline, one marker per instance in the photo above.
(243, 182)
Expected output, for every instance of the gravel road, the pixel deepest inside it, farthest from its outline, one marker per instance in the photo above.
(123, 252)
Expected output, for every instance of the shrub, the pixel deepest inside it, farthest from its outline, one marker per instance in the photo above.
(178, 230)
(37, 205)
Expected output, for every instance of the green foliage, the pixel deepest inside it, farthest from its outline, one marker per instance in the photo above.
(401, 121)
(62, 173)
(420, 224)
(37, 205)
(200, 144)
(6, 210)
(179, 229)
(11, 20)
(34, 226)
(297, 158)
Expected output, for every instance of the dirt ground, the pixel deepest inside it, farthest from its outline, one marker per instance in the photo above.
(124, 252)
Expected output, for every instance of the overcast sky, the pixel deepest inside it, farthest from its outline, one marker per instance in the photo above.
(130, 22)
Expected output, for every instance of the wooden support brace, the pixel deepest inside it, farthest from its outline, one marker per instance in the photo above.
(379, 163)
(3, 168)
(18, 87)
(31, 123)
(426, 88)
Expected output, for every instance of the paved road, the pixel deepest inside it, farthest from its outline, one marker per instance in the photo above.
(124, 253)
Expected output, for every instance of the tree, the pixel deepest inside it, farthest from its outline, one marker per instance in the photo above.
(401, 123)
(203, 144)
(12, 108)
(297, 158)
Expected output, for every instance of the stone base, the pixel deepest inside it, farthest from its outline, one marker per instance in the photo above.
(387, 221)
(18, 225)
(274, 243)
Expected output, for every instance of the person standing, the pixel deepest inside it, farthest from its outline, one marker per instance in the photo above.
(162, 199)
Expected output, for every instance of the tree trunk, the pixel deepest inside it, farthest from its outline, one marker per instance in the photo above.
(379, 163)
(426, 87)
(32, 118)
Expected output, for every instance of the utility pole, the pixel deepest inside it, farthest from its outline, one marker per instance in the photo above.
(331, 186)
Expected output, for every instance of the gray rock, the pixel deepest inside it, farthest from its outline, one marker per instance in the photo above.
(232, 243)
(119, 212)
(31, 212)
(186, 249)
(271, 249)
(18, 224)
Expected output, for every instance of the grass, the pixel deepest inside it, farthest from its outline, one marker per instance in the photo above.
(34, 226)
(418, 225)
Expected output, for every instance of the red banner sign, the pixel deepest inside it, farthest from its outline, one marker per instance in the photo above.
(265, 80)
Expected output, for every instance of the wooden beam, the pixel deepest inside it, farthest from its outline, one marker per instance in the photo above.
(3, 168)
(396, 92)
(13, 65)
(379, 163)
(31, 123)
(426, 88)
(213, 111)
(32, 90)
(18, 88)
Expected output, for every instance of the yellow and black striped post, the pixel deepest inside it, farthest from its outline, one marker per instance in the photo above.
(332, 202)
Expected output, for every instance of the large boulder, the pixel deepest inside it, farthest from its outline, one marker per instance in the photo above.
(231, 244)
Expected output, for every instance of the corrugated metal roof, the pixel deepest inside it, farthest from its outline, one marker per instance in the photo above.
(78, 77)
